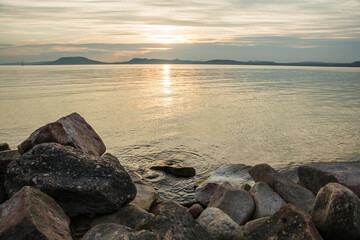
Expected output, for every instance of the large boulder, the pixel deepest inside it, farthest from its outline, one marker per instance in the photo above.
(288, 223)
(146, 195)
(31, 214)
(336, 213)
(205, 192)
(287, 189)
(236, 203)
(267, 201)
(316, 175)
(71, 130)
(251, 226)
(172, 221)
(112, 231)
(235, 174)
(6, 157)
(220, 225)
(79, 182)
(130, 216)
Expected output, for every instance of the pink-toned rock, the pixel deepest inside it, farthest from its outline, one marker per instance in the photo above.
(195, 210)
(71, 130)
(31, 214)
(146, 195)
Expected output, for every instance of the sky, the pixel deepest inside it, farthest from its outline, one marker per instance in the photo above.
(113, 31)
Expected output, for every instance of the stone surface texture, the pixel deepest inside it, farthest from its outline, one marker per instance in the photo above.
(267, 201)
(146, 195)
(173, 222)
(287, 189)
(236, 203)
(251, 226)
(6, 157)
(205, 192)
(316, 175)
(31, 214)
(79, 182)
(71, 130)
(195, 210)
(336, 212)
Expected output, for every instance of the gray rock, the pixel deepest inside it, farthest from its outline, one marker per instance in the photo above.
(316, 175)
(173, 222)
(205, 192)
(112, 231)
(129, 216)
(235, 174)
(146, 195)
(253, 225)
(219, 224)
(4, 147)
(195, 210)
(288, 223)
(336, 212)
(31, 214)
(236, 203)
(71, 130)
(287, 189)
(267, 201)
(79, 182)
(6, 157)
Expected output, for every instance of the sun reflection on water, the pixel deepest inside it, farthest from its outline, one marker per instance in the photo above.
(166, 80)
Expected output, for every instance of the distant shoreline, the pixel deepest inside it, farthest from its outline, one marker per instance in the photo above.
(86, 61)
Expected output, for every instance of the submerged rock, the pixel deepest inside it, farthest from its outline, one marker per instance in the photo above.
(287, 189)
(172, 221)
(236, 203)
(174, 168)
(71, 130)
(79, 182)
(31, 214)
(336, 213)
(316, 175)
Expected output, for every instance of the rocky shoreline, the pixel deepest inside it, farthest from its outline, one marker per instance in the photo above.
(60, 184)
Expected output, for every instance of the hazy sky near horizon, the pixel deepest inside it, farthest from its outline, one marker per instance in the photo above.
(109, 30)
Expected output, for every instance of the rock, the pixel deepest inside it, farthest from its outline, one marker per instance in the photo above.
(253, 225)
(2, 189)
(205, 192)
(172, 221)
(129, 216)
(80, 224)
(246, 187)
(316, 175)
(71, 130)
(287, 189)
(235, 174)
(336, 212)
(219, 224)
(6, 157)
(267, 201)
(146, 195)
(195, 210)
(236, 203)
(31, 214)
(112, 231)
(4, 147)
(79, 182)
(288, 223)
(174, 168)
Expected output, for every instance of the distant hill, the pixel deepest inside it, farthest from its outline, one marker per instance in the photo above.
(84, 60)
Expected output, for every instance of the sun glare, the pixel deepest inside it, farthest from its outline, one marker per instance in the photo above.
(166, 34)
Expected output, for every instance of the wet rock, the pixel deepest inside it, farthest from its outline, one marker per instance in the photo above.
(253, 225)
(266, 200)
(174, 168)
(288, 223)
(236, 203)
(146, 195)
(219, 224)
(6, 157)
(287, 189)
(79, 182)
(4, 147)
(205, 192)
(129, 216)
(236, 174)
(112, 231)
(195, 210)
(336, 212)
(172, 221)
(316, 175)
(71, 130)
(31, 214)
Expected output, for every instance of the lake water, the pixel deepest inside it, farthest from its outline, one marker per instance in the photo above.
(200, 115)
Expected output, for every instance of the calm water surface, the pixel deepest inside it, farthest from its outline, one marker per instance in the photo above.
(200, 115)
